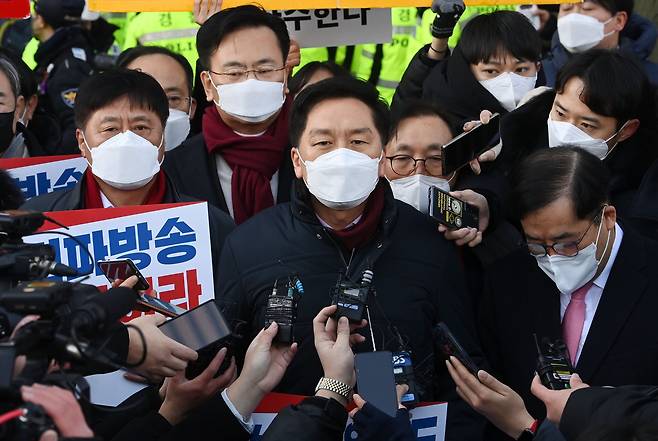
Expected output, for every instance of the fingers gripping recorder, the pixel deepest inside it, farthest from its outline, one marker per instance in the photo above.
(447, 16)
(351, 300)
(282, 309)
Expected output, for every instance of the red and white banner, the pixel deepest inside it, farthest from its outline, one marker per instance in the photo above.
(169, 243)
(45, 174)
(428, 420)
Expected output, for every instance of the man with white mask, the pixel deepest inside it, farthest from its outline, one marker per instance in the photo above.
(240, 162)
(120, 117)
(343, 219)
(599, 24)
(585, 277)
(602, 103)
(175, 75)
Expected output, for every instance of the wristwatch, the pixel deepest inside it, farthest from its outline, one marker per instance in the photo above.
(335, 386)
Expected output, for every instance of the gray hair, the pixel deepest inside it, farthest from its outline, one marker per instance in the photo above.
(11, 73)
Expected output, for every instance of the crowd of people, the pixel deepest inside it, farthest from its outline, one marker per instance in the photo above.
(311, 169)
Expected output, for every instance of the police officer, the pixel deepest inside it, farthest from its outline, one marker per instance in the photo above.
(63, 60)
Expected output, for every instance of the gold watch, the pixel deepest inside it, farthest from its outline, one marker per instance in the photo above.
(335, 386)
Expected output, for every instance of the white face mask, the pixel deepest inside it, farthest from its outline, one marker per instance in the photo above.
(563, 133)
(177, 129)
(570, 273)
(252, 100)
(414, 190)
(125, 161)
(509, 88)
(580, 32)
(22, 118)
(342, 178)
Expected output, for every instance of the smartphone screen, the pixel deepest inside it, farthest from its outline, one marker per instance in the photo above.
(199, 327)
(375, 380)
(121, 269)
(154, 304)
(467, 146)
(449, 346)
(452, 212)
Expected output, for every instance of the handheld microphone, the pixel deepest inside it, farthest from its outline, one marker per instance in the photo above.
(104, 310)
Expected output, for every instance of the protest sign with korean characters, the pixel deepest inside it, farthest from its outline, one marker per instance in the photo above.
(169, 243)
(337, 27)
(428, 420)
(44, 174)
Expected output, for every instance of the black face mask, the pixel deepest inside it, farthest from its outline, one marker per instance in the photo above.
(6, 129)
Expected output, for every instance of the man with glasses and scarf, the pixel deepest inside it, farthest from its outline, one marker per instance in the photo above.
(241, 161)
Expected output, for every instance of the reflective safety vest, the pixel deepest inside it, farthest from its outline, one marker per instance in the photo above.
(175, 31)
(468, 15)
(384, 64)
(120, 20)
(29, 51)
(342, 56)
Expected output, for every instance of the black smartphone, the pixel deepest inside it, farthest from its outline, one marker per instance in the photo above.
(449, 346)
(469, 145)
(375, 380)
(452, 212)
(203, 329)
(7, 359)
(148, 303)
(122, 269)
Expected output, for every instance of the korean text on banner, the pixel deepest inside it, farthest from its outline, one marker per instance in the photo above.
(14, 8)
(45, 174)
(428, 420)
(186, 5)
(169, 243)
(337, 27)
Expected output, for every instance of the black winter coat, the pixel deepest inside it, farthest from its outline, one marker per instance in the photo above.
(220, 223)
(417, 278)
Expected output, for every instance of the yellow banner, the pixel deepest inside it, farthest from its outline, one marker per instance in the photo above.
(186, 5)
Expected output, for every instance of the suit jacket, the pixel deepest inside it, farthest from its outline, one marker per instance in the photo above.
(194, 172)
(622, 343)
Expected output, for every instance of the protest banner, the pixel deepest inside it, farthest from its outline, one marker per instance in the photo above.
(45, 174)
(14, 8)
(169, 243)
(186, 5)
(428, 420)
(337, 27)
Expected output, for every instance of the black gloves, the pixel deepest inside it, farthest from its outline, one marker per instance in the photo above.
(447, 16)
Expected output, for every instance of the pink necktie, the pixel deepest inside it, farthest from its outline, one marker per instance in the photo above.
(574, 319)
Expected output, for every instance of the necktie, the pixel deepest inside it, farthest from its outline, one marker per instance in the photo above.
(574, 319)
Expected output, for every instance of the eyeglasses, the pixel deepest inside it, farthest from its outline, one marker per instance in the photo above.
(238, 75)
(567, 249)
(405, 165)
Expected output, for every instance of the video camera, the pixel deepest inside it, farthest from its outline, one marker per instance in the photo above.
(75, 324)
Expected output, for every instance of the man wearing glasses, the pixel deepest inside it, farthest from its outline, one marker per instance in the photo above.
(583, 277)
(241, 160)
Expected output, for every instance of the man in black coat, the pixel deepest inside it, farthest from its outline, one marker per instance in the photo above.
(342, 221)
(64, 59)
(111, 106)
(240, 163)
(588, 280)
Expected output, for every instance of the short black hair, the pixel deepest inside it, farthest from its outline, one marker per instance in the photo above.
(129, 55)
(304, 74)
(615, 85)
(104, 88)
(549, 174)
(218, 26)
(337, 88)
(487, 35)
(417, 109)
(614, 6)
(26, 78)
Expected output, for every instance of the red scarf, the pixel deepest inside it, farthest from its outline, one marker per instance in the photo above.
(93, 191)
(253, 159)
(361, 233)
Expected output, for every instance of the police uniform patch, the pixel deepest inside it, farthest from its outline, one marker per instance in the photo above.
(68, 96)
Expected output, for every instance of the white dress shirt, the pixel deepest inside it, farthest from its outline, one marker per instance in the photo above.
(105, 201)
(225, 173)
(594, 294)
